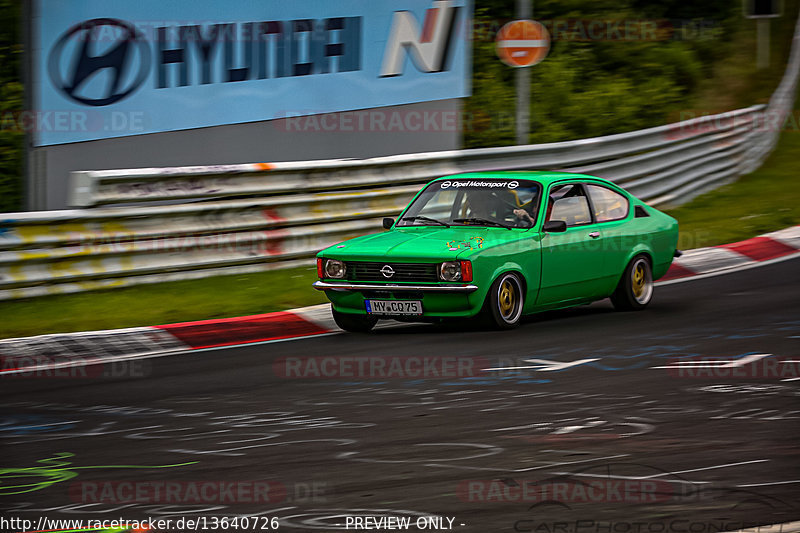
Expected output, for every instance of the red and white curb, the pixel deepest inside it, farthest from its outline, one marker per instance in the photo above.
(770, 247)
(49, 353)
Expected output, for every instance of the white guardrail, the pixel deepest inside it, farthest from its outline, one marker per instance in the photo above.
(258, 216)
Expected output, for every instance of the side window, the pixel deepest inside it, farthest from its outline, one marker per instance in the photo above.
(570, 204)
(608, 205)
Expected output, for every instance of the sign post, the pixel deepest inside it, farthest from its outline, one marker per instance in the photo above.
(762, 11)
(762, 36)
(524, 12)
(523, 43)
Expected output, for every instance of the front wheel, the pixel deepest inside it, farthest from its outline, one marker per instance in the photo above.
(354, 323)
(635, 289)
(505, 301)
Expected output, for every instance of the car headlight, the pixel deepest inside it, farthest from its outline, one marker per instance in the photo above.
(456, 271)
(335, 268)
(450, 271)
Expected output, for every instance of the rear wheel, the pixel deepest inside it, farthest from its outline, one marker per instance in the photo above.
(635, 289)
(353, 323)
(505, 301)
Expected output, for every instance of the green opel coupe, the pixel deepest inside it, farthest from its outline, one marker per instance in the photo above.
(500, 245)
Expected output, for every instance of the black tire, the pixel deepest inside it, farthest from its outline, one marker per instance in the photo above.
(504, 303)
(354, 323)
(635, 289)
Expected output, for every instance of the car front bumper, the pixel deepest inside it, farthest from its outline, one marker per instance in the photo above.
(440, 301)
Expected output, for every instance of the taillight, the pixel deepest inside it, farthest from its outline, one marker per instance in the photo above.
(320, 268)
(466, 271)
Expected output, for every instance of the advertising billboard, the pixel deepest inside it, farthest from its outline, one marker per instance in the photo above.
(114, 68)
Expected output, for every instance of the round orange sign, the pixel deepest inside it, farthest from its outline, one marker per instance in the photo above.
(522, 43)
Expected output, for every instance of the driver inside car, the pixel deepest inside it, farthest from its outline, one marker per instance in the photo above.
(491, 205)
(523, 216)
(479, 204)
(523, 211)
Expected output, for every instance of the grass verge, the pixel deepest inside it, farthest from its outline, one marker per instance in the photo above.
(763, 201)
(161, 303)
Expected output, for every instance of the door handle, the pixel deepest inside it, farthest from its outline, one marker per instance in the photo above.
(594, 234)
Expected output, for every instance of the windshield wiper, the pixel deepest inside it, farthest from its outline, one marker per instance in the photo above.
(427, 219)
(483, 221)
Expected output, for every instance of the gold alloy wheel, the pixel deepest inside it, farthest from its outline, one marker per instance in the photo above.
(641, 281)
(507, 299)
(639, 278)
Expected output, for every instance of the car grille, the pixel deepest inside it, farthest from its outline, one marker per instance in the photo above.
(413, 272)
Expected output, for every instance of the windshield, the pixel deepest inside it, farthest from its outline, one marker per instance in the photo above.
(475, 202)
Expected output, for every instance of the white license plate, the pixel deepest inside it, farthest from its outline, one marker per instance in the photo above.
(394, 307)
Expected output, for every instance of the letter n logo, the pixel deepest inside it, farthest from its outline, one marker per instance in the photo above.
(429, 48)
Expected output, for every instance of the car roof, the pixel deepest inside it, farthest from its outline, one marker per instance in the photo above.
(544, 177)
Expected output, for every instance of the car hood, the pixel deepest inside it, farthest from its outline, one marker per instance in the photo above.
(423, 243)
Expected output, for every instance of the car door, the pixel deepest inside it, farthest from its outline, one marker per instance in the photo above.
(572, 265)
(611, 211)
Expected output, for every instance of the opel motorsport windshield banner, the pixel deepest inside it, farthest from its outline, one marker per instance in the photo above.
(111, 68)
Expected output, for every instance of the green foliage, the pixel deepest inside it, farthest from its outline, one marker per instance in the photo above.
(600, 87)
(766, 200)
(11, 103)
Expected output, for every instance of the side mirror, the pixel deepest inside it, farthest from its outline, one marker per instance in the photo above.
(388, 223)
(555, 226)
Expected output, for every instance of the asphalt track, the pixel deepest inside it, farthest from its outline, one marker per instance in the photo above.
(703, 447)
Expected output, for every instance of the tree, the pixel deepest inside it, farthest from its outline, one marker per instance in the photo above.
(11, 105)
(591, 87)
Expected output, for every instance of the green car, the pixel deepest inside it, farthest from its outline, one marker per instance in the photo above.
(500, 245)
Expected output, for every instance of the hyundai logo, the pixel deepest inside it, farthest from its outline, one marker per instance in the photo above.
(387, 271)
(76, 57)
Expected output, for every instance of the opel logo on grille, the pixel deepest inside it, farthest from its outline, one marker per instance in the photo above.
(387, 271)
